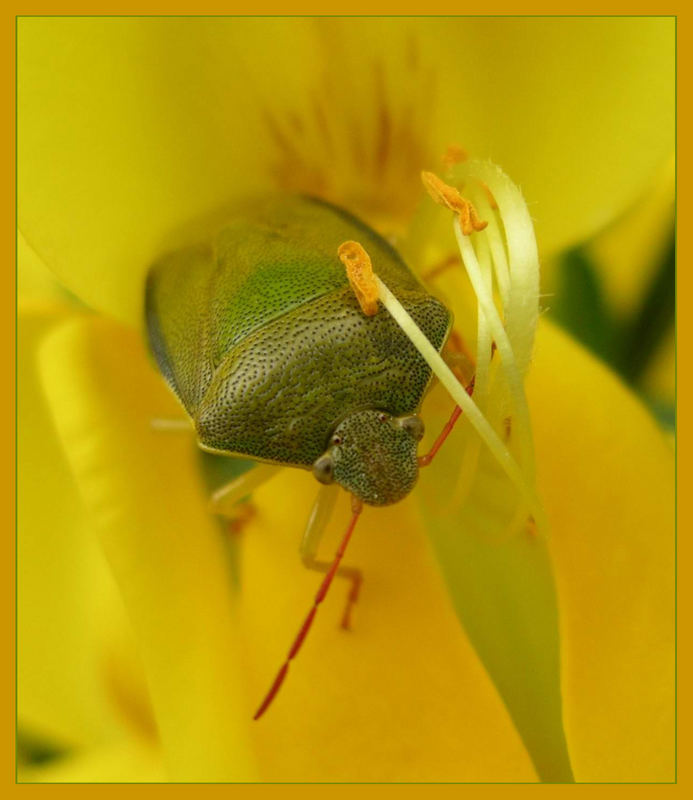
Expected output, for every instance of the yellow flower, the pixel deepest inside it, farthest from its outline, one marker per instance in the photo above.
(131, 128)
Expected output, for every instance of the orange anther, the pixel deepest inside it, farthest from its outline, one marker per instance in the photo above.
(454, 155)
(469, 219)
(361, 276)
(442, 193)
(448, 196)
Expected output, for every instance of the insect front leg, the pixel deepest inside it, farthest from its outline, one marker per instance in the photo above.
(168, 425)
(226, 501)
(426, 459)
(312, 536)
(460, 364)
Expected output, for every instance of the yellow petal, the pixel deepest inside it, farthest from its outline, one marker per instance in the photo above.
(628, 253)
(352, 693)
(373, 705)
(606, 473)
(402, 696)
(128, 128)
(579, 111)
(146, 502)
(659, 381)
(36, 284)
(126, 761)
(62, 580)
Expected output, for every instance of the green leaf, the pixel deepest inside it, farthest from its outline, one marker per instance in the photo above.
(652, 321)
(580, 306)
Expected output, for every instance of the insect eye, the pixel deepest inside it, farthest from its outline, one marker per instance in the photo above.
(337, 440)
(323, 469)
(414, 425)
(383, 417)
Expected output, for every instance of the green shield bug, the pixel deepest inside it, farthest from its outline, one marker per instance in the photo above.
(263, 340)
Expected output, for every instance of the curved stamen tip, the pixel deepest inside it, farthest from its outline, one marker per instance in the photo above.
(449, 197)
(361, 277)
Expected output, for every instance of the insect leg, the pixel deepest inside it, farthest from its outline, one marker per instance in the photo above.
(440, 267)
(456, 344)
(333, 570)
(426, 459)
(222, 502)
(317, 522)
(460, 364)
(165, 425)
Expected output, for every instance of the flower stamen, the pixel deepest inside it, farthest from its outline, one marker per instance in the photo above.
(449, 197)
(361, 277)
(489, 195)
(503, 269)
(446, 376)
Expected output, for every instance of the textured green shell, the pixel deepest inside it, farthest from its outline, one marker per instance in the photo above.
(263, 341)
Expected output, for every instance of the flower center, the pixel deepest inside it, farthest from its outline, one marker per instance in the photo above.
(500, 257)
(353, 135)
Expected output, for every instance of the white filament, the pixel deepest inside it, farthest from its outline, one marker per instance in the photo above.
(460, 396)
(505, 251)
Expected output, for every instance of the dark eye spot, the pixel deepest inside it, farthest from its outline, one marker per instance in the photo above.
(383, 417)
(414, 425)
(323, 469)
(336, 440)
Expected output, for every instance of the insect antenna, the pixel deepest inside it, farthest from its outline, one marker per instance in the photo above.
(356, 507)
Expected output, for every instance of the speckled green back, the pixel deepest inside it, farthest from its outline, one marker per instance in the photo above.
(263, 340)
